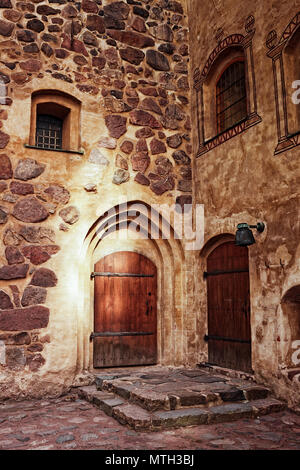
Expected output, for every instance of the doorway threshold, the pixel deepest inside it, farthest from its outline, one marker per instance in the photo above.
(238, 374)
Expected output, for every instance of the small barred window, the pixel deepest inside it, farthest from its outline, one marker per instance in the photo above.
(49, 132)
(231, 96)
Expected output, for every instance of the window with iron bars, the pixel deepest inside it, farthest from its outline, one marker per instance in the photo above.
(231, 97)
(49, 132)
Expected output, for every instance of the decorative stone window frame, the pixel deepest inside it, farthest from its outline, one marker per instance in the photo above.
(201, 77)
(276, 53)
(61, 105)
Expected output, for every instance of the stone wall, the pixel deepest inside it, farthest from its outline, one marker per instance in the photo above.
(126, 63)
(243, 180)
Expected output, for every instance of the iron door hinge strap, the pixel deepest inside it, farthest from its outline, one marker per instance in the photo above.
(106, 334)
(104, 274)
(215, 273)
(223, 338)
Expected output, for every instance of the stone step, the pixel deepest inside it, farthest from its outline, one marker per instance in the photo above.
(138, 418)
(215, 414)
(152, 400)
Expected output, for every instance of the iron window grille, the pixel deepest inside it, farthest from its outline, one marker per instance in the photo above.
(49, 132)
(231, 97)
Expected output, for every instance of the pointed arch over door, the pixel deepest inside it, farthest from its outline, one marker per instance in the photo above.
(125, 306)
(228, 298)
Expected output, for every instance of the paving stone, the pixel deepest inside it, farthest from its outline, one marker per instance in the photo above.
(271, 436)
(48, 432)
(65, 438)
(109, 430)
(77, 420)
(17, 417)
(20, 437)
(89, 437)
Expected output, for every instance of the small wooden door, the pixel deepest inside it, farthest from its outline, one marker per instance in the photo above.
(228, 296)
(125, 320)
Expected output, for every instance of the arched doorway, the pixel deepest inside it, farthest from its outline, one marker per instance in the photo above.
(228, 299)
(125, 310)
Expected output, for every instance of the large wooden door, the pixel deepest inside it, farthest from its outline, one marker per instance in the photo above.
(125, 322)
(228, 296)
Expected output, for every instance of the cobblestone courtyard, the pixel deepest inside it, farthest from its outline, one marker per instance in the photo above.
(71, 423)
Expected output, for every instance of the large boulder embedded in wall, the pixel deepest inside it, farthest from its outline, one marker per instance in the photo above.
(33, 295)
(163, 32)
(120, 176)
(107, 142)
(16, 271)
(6, 28)
(28, 169)
(140, 161)
(180, 157)
(5, 4)
(116, 125)
(139, 117)
(70, 214)
(44, 277)
(39, 254)
(13, 255)
(118, 10)
(3, 215)
(174, 141)
(36, 234)
(5, 302)
(22, 189)
(5, 167)
(97, 157)
(132, 55)
(131, 38)
(30, 209)
(28, 318)
(162, 184)
(157, 60)
(121, 162)
(58, 194)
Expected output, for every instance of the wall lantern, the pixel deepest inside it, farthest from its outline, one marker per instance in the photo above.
(244, 236)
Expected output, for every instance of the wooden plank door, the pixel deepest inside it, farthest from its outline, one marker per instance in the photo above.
(125, 318)
(228, 297)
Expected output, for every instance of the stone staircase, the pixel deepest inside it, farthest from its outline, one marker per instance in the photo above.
(169, 398)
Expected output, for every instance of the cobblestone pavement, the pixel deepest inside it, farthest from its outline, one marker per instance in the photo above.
(71, 423)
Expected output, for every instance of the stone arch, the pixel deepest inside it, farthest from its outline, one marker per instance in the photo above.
(106, 236)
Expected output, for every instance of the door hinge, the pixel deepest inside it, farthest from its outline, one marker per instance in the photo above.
(107, 274)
